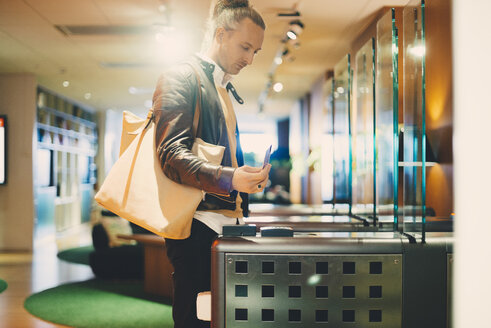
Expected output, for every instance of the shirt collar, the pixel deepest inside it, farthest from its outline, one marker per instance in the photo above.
(219, 76)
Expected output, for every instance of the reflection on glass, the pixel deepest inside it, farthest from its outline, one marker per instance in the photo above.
(386, 130)
(327, 154)
(414, 119)
(341, 131)
(362, 127)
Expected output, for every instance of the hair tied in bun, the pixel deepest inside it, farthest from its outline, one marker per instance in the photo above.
(231, 4)
(227, 14)
(222, 5)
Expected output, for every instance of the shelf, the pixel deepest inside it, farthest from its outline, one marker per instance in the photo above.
(70, 117)
(68, 149)
(67, 145)
(65, 132)
(416, 164)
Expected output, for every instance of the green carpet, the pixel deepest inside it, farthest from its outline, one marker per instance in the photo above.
(98, 303)
(3, 285)
(78, 255)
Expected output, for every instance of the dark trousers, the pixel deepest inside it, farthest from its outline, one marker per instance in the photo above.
(191, 259)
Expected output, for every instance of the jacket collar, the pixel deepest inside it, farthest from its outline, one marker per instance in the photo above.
(215, 73)
(209, 65)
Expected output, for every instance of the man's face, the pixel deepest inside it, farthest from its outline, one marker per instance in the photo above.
(238, 47)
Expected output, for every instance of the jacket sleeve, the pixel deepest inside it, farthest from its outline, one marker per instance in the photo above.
(174, 103)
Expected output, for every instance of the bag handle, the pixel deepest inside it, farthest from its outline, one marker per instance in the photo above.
(197, 110)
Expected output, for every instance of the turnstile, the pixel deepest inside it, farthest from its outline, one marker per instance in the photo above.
(327, 280)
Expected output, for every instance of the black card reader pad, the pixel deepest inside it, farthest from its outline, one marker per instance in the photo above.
(276, 232)
(239, 230)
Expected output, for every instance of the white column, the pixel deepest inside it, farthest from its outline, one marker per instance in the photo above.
(18, 102)
(472, 159)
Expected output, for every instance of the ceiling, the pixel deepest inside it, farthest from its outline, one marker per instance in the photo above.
(114, 46)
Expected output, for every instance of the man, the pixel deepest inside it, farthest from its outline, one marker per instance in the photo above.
(235, 35)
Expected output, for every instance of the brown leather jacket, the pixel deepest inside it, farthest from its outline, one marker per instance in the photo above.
(174, 103)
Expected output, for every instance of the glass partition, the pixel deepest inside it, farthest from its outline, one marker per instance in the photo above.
(414, 146)
(363, 132)
(327, 154)
(341, 144)
(386, 122)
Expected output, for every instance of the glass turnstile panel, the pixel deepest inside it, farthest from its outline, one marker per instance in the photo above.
(327, 153)
(414, 145)
(341, 145)
(362, 127)
(386, 112)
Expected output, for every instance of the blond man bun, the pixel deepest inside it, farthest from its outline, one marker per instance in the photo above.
(227, 14)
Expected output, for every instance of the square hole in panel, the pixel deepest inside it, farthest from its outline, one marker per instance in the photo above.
(294, 315)
(267, 291)
(348, 315)
(322, 267)
(348, 267)
(267, 315)
(348, 291)
(268, 267)
(241, 267)
(241, 314)
(295, 291)
(321, 316)
(375, 292)
(295, 267)
(241, 291)
(375, 267)
(375, 316)
(322, 291)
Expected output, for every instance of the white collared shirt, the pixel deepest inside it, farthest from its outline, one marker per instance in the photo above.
(219, 76)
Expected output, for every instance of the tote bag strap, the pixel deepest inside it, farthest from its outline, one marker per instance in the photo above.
(197, 109)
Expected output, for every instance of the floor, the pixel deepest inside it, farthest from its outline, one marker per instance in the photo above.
(27, 273)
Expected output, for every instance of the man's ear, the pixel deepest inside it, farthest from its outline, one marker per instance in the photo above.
(220, 34)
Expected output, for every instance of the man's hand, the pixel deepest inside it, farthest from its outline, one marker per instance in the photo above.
(250, 179)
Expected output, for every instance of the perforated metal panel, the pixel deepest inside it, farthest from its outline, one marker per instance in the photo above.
(307, 290)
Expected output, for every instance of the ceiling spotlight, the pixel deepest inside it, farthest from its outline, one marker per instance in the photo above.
(66, 83)
(297, 26)
(295, 29)
(88, 95)
(287, 56)
(278, 60)
(291, 35)
(278, 86)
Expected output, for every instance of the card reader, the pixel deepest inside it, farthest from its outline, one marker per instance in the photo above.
(276, 232)
(239, 230)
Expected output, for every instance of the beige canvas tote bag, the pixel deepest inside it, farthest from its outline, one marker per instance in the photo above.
(136, 188)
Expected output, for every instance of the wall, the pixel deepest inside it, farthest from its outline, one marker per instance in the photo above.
(18, 102)
(439, 107)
